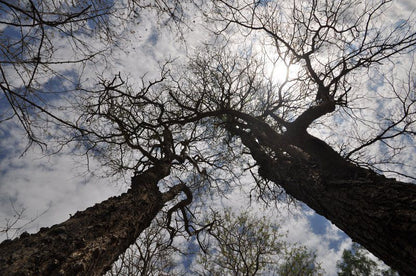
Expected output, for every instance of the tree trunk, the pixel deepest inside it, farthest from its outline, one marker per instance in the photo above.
(375, 211)
(91, 240)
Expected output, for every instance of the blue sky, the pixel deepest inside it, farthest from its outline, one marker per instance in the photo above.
(55, 186)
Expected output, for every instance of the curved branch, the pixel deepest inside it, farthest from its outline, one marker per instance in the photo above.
(175, 190)
(303, 121)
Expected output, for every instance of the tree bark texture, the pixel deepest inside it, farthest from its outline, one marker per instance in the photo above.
(375, 211)
(91, 240)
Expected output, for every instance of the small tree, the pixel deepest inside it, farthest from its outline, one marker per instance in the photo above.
(355, 262)
(244, 245)
(300, 261)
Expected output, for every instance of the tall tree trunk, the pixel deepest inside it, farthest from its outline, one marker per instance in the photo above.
(91, 240)
(377, 212)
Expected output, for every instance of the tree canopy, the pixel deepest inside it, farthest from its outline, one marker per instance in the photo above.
(310, 100)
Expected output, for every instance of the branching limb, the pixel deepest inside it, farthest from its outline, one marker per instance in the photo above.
(175, 190)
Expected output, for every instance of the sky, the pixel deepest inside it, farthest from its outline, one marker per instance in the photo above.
(48, 188)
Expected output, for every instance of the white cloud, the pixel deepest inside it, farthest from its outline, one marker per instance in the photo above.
(54, 186)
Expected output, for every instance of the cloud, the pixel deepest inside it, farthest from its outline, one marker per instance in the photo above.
(301, 231)
(54, 186)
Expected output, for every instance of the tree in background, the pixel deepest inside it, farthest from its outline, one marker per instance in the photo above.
(246, 245)
(356, 262)
(206, 121)
(300, 261)
(240, 245)
(235, 244)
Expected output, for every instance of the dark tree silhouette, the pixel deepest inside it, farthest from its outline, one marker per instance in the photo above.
(219, 115)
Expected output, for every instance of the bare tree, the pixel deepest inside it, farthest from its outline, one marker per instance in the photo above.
(240, 244)
(235, 244)
(145, 139)
(220, 115)
(331, 42)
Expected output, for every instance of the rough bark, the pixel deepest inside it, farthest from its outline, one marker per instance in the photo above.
(91, 240)
(377, 212)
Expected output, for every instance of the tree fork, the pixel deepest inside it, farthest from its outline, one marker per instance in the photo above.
(91, 240)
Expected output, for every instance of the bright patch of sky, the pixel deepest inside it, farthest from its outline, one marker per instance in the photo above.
(51, 187)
